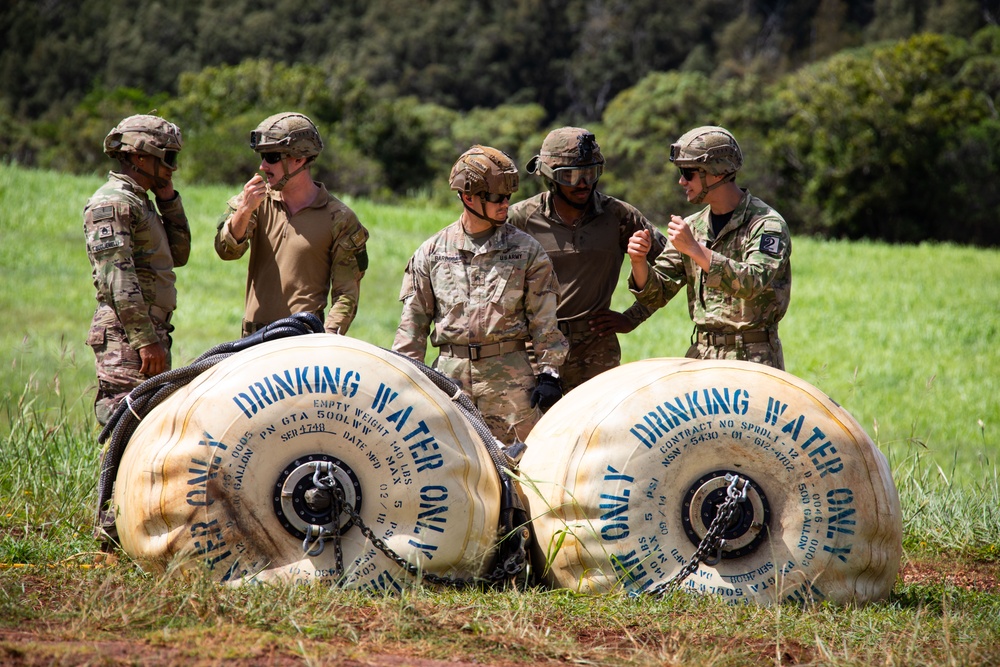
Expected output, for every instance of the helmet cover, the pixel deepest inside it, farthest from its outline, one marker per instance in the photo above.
(483, 169)
(145, 134)
(567, 147)
(710, 148)
(288, 133)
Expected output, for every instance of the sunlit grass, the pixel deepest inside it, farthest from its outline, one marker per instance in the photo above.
(906, 338)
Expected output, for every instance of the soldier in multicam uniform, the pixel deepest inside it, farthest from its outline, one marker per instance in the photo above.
(133, 249)
(305, 244)
(585, 233)
(734, 256)
(488, 288)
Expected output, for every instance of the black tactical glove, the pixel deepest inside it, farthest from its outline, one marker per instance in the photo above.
(547, 392)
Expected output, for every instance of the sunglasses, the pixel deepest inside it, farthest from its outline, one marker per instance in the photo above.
(494, 198)
(572, 175)
(271, 158)
(688, 173)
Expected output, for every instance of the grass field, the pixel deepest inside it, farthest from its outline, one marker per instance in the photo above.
(907, 339)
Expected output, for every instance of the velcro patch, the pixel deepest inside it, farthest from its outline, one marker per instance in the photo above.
(362, 259)
(104, 231)
(772, 245)
(358, 238)
(103, 213)
(108, 245)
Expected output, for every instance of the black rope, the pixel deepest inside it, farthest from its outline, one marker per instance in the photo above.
(125, 419)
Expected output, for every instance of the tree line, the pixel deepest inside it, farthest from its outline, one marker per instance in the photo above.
(859, 119)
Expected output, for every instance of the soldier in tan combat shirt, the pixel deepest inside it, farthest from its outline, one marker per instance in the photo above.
(306, 246)
(133, 249)
(585, 233)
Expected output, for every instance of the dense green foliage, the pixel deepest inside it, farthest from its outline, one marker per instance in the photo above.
(859, 118)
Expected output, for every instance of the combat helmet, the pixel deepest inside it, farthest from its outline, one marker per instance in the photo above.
(710, 148)
(568, 155)
(486, 172)
(288, 133)
(145, 134)
(483, 169)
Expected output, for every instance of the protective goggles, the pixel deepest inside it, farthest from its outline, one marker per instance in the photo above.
(688, 173)
(271, 157)
(493, 197)
(573, 175)
(170, 159)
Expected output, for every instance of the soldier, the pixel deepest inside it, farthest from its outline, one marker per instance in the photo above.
(305, 244)
(734, 256)
(488, 288)
(133, 249)
(585, 234)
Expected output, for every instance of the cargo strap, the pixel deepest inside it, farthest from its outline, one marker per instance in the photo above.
(475, 352)
(718, 339)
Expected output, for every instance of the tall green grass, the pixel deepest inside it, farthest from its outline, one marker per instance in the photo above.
(906, 338)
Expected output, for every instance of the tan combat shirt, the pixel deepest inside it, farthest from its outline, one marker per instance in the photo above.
(297, 263)
(587, 257)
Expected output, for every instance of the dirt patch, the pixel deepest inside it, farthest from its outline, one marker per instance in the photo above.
(974, 575)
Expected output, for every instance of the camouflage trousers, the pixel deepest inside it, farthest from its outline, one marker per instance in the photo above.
(500, 387)
(589, 356)
(118, 363)
(768, 353)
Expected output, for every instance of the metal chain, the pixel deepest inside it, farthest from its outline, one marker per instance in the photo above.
(712, 543)
(506, 569)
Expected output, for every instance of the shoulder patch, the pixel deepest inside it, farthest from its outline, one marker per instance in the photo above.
(771, 244)
(358, 238)
(103, 213)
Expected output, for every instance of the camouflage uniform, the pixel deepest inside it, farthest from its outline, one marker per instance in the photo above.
(297, 262)
(503, 291)
(587, 259)
(133, 250)
(746, 292)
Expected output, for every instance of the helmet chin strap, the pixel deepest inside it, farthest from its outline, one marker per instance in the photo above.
(481, 215)
(705, 188)
(158, 181)
(283, 181)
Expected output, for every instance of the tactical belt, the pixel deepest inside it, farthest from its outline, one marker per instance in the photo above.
(573, 326)
(740, 337)
(160, 314)
(475, 352)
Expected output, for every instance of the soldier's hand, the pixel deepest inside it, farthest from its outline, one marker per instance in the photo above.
(154, 359)
(165, 192)
(547, 392)
(680, 235)
(609, 322)
(683, 239)
(254, 192)
(638, 246)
